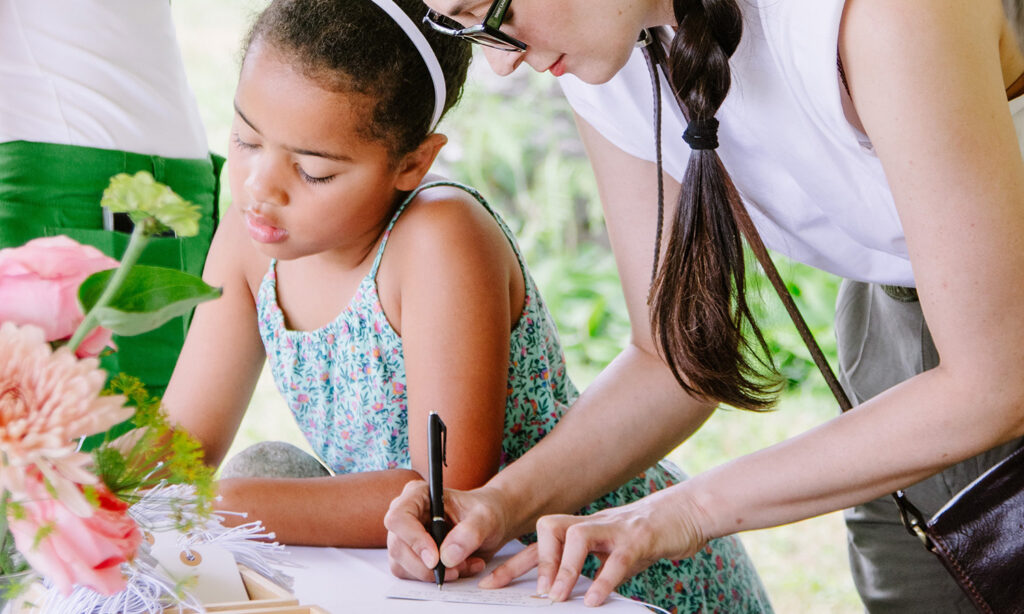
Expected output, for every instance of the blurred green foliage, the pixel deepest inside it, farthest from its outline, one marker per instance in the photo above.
(515, 141)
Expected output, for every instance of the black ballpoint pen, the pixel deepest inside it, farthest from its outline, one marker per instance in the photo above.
(437, 440)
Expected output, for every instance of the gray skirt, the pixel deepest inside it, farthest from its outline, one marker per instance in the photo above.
(883, 340)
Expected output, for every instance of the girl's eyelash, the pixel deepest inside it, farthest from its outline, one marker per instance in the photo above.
(305, 177)
(242, 144)
(314, 180)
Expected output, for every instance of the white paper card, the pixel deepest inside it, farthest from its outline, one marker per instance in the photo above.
(466, 592)
(208, 571)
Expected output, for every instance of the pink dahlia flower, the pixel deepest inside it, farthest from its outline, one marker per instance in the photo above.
(48, 399)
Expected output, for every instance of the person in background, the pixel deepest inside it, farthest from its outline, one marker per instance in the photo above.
(90, 89)
(868, 138)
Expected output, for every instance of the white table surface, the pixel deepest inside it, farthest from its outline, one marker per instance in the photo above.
(345, 580)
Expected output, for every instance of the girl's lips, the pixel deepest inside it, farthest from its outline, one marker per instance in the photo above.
(262, 231)
(558, 68)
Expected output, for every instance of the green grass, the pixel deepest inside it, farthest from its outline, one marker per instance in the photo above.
(531, 167)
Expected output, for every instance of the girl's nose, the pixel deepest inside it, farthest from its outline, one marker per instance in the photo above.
(503, 63)
(263, 182)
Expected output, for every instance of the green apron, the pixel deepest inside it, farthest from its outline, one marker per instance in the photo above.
(48, 190)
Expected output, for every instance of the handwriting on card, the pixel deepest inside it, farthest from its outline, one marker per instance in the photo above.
(465, 593)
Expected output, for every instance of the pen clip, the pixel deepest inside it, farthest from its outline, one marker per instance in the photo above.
(444, 443)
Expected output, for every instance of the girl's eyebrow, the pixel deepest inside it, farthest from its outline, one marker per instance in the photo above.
(297, 150)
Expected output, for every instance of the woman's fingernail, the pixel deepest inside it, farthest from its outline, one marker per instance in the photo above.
(557, 589)
(425, 557)
(543, 585)
(591, 600)
(487, 581)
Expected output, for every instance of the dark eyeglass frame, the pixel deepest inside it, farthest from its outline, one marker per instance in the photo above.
(486, 33)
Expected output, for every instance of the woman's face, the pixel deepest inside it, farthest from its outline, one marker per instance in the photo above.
(591, 39)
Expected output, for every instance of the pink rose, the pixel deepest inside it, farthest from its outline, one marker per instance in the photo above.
(39, 285)
(75, 550)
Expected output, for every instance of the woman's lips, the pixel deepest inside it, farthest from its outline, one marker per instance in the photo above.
(558, 68)
(262, 231)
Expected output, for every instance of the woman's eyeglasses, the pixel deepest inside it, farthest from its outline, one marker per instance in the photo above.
(486, 33)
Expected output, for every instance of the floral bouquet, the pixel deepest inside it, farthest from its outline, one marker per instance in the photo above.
(65, 514)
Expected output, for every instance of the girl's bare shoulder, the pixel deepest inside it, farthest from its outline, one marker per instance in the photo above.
(233, 257)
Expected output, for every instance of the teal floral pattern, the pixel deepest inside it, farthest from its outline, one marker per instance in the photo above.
(345, 385)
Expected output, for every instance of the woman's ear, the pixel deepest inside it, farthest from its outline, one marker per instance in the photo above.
(416, 163)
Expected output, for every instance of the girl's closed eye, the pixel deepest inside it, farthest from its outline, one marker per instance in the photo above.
(242, 144)
(310, 179)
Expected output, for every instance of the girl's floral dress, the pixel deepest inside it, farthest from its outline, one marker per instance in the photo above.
(345, 384)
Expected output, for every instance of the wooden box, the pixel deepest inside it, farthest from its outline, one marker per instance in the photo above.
(265, 597)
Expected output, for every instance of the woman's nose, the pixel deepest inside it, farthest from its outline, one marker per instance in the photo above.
(503, 63)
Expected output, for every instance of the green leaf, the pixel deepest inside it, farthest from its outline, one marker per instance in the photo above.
(149, 297)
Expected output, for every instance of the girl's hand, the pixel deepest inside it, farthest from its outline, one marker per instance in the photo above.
(479, 532)
(627, 539)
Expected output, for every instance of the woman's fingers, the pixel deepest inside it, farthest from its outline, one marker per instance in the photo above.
(520, 563)
(627, 539)
(615, 570)
(573, 540)
(404, 563)
(473, 539)
(551, 532)
(411, 550)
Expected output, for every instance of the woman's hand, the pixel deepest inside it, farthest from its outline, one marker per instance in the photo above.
(627, 539)
(480, 530)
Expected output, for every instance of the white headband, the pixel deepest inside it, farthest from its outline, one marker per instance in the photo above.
(426, 51)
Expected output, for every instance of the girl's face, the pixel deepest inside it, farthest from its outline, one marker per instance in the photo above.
(591, 39)
(304, 178)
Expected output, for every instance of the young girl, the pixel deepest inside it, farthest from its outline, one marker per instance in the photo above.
(379, 298)
(868, 138)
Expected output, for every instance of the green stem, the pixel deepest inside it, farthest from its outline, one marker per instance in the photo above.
(131, 255)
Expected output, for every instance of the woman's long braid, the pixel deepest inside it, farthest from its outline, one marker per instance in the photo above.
(699, 308)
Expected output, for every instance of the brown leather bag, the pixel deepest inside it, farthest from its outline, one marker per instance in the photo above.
(979, 534)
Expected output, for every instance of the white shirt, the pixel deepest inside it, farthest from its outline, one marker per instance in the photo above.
(811, 181)
(96, 73)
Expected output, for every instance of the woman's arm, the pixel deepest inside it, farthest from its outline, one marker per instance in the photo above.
(634, 412)
(927, 82)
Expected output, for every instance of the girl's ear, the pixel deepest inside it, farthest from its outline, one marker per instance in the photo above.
(416, 163)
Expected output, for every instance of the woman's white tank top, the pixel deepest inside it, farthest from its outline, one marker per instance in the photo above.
(811, 181)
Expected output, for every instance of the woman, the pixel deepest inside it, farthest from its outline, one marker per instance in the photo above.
(867, 138)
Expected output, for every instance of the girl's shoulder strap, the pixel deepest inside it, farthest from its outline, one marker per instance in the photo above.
(434, 184)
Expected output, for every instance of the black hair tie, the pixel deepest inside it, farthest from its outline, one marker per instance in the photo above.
(702, 134)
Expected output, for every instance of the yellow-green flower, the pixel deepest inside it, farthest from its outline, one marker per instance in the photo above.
(144, 198)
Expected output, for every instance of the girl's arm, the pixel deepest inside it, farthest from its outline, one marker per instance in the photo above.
(927, 82)
(448, 282)
(222, 356)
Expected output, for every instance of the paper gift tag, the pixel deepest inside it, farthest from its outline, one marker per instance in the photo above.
(209, 571)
